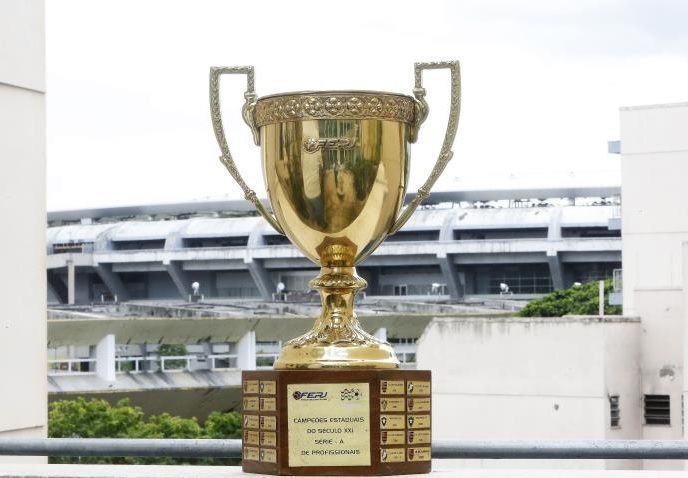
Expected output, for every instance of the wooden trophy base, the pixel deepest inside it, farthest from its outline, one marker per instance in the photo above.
(336, 422)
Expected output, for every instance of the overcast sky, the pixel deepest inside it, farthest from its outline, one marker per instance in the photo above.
(127, 106)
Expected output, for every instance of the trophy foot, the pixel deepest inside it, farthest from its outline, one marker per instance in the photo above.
(337, 339)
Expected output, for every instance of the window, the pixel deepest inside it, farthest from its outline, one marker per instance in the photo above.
(614, 412)
(657, 410)
(400, 289)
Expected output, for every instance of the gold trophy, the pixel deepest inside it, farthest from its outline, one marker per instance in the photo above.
(336, 164)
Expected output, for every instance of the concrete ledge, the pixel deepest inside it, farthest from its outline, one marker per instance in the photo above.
(149, 471)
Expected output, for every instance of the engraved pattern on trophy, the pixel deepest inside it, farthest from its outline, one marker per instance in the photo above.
(311, 145)
(330, 105)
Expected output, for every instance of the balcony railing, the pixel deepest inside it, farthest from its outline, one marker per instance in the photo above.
(176, 363)
(71, 366)
(461, 449)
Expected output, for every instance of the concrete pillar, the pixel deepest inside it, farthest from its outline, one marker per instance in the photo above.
(112, 281)
(260, 276)
(255, 267)
(553, 258)
(105, 358)
(555, 269)
(246, 351)
(71, 282)
(554, 227)
(58, 286)
(381, 334)
(455, 286)
(180, 278)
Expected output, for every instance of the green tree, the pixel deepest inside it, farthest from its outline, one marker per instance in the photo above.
(94, 418)
(576, 300)
(223, 425)
(172, 350)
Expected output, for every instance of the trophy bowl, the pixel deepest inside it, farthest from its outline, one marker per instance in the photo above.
(335, 165)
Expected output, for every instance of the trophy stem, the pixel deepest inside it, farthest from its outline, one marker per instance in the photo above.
(337, 339)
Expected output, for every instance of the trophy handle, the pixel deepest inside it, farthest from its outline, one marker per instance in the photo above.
(421, 114)
(247, 113)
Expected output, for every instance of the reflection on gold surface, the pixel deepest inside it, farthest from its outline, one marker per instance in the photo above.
(336, 204)
(351, 194)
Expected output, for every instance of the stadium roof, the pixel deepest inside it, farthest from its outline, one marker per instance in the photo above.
(242, 206)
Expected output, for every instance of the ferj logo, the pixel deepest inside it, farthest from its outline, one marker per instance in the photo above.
(297, 395)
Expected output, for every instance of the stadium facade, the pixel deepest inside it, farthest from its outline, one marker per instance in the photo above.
(458, 246)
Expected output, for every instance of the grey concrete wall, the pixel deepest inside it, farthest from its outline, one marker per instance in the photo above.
(23, 289)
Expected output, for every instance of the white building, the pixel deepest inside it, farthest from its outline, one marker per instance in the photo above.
(23, 407)
(654, 171)
(587, 377)
(534, 379)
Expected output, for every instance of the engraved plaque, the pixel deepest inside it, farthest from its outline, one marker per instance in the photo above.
(251, 421)
(418, 421)
(268, 455)
(268, 387)
(268, 422)
(415, 387)
(418, 404)
(268, 404)
(391, 437)
(391, 455)
(419, 437)
(250, 404)
(251, 386)
(391, 387)
(329, 424)
(419, 454)
(392, 422)
(392, 404)
(251, 453)
(268, 439)
(251, 437)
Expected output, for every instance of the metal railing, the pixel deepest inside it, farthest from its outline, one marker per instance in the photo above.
(175, 363)
(71, 366)
(465, 449)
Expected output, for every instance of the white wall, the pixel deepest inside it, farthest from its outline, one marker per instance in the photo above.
(654, 170)
(23, 401)
(531, 378)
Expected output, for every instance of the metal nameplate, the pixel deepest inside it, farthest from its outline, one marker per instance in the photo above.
(268, 404)
(416, 404)
(392, 404)
(417, 421)
(268, 387)
(391, 387)
(251, 386)
(268, 455)
(392, 437)
(391, 455)
(328, 424)
(251, 453)
(251, 421)
(251, 404)
(419, 437)
(419, 454)
(414, 387)
(268, 422)
(392, 422)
